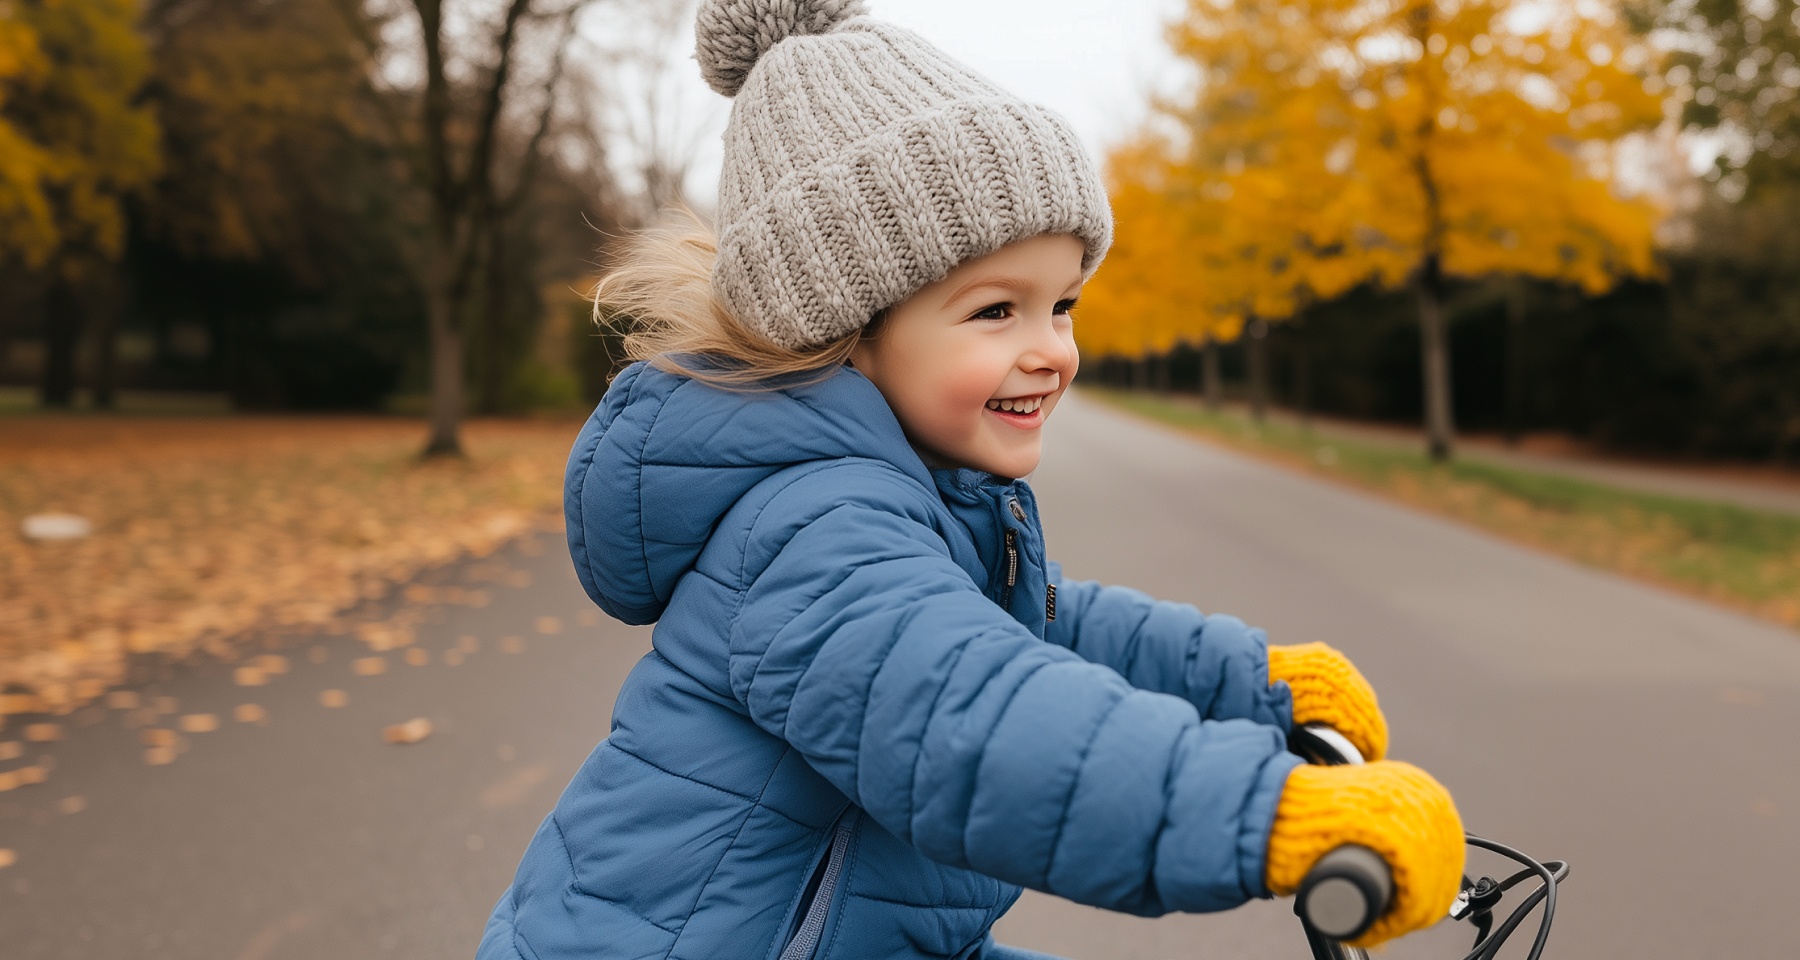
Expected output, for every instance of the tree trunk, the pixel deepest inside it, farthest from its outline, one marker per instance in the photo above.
(1211, 381)
(1303, 373)
(1440, 426)
(1140, 373)
(1257, 346)
(104, 386)
(1159, 373)
(62, 342)
(1515, 361)
(446, 358)
(493, 327)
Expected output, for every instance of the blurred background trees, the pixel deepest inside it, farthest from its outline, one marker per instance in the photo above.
(303, 204)
(1498, 215)
(1513, 178)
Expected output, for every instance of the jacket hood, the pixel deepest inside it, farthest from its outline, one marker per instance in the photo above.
(665, 456)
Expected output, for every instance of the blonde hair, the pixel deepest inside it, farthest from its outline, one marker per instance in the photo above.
(659, 297)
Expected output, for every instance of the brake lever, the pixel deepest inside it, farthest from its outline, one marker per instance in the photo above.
(1476, 904)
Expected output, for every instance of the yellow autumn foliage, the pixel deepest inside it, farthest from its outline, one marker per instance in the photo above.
(1330, 143)
(74, 137)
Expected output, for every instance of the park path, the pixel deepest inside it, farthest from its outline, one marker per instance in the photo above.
(1645, 737)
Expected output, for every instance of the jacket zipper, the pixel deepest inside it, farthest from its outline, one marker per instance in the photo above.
(806, 939)
(1050, 603)
(1012, 568)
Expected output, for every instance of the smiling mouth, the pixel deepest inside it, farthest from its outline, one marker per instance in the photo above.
(1024, 406)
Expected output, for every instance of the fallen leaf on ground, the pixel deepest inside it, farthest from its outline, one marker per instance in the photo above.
(158, 737)
(7, 857)
(72, 804)
(513, 788)
(370, 666)
(43, 732)
(122, 700)
(249, 677)
(21, 703)
(11, 750)
(333, 698)
(549, 625)
(271, 663)
(467, 644)
(412, 731)
(250, 713)
(32, 775)
(159, 756)
(9, 780)
(200, 723)
(417, 656)
(512, 644)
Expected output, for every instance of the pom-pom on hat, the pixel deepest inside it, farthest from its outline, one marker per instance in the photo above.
(862, 163)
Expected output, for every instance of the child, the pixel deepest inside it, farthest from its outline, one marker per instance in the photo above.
(874, 710)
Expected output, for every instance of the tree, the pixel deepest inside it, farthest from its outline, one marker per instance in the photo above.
(74, 143)
(1408, 141)
(460, 145)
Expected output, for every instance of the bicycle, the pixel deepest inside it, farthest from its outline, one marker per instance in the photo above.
(1350, 887)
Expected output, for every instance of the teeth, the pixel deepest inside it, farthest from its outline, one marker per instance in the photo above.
(1021, 405)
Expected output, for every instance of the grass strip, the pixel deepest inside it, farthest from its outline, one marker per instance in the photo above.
(1744, 558)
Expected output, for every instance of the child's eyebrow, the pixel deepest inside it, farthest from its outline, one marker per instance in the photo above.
(1012, 284)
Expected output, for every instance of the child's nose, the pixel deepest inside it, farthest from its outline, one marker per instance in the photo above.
(1048, 350)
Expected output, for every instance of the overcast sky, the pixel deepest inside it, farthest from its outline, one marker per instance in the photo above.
(1094, 61)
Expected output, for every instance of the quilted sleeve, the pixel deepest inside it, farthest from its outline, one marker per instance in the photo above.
(1217, 663)
(861, 643)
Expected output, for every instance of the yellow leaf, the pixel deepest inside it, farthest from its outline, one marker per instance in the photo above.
(412, 731)
(199, 723)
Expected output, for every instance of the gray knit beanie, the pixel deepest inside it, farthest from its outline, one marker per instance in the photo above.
(862, 163)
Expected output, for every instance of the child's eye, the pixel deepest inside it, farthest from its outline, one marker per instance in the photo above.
(1064, 307)
(998, 311)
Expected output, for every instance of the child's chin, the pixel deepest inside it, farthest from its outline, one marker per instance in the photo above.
(1011, 465)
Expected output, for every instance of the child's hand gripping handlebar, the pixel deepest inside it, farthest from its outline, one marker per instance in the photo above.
(1348, 889)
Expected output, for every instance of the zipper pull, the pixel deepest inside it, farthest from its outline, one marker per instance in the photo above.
(1012, 557)
(1049, 603)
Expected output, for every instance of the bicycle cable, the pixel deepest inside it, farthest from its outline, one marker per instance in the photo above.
(1486, 948)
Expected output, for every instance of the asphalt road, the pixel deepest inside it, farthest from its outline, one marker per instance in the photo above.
(1652, 741)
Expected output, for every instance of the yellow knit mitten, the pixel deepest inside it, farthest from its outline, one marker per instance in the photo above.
(1394, 809)
(1328, 689)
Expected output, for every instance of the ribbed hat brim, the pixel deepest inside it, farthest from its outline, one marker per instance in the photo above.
(832, 243)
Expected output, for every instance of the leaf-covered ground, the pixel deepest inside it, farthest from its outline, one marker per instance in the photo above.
(205, 529)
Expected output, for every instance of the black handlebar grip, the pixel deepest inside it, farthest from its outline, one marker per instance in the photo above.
(1345, 892)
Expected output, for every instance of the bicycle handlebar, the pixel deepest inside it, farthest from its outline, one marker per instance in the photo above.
(1350, 887)
(1345, 892)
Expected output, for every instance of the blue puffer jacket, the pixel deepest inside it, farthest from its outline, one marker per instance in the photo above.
(857, 736)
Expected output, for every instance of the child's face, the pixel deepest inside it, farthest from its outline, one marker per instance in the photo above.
(973, 364)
